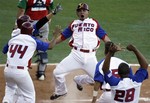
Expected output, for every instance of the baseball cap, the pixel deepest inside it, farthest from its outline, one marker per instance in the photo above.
(27, 28)
(22, 19)
(82, 6)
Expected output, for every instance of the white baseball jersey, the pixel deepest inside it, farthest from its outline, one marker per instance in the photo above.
(85, 34)
(20, 50)
(99, 76)
(85, 39)
(114, 63)
(126, 90)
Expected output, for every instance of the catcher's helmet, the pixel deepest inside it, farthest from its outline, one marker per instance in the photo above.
(26, 28)
(22, 19)
(82, 6)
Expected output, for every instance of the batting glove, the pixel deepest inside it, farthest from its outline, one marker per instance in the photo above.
(57, 9)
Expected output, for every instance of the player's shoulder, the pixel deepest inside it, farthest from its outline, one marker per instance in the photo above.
(15, 32)
(93, 19)
(23, 37)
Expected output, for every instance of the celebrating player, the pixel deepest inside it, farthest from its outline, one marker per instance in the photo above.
(126, 88)
(99, 77)
(86, 34)
(98, 80)
(20, 50)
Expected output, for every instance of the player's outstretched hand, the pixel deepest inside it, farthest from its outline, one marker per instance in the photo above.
(57, 9)
(114, 48)
(131, 47)
(57, 31)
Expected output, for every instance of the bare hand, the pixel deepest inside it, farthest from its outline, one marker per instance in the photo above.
(114, 48)
(131, 47)
(57, 31)
(120, 47)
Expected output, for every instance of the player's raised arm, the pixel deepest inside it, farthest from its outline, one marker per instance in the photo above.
(57, 9)
(141, 59)
(56, 34)
(112, 50)
(45, 19)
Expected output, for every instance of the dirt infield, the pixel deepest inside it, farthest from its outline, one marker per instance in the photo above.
(45, 88)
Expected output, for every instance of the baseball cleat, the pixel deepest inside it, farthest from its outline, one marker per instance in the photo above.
(5, 101)
(55, 96)
(42, 77)
(79, 87)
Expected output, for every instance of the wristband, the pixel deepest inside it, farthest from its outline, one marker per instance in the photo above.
(95, 93)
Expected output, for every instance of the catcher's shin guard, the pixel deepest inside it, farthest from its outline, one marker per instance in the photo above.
(42, 63)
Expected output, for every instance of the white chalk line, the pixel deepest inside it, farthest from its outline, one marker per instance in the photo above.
(87, 100)
(49, 64)
(83, 100)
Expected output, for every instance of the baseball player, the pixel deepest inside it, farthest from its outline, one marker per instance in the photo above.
(98, 80)
(37, 9)
(99, 77)
(86, 35)
(36, 27)
(20, 50)
(125, 89)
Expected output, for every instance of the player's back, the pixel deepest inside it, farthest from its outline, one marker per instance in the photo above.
(21, 49)
(114, 63)
(127, 91)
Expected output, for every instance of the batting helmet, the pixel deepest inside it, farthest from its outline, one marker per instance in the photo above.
(26, 28)
(22, 19)
(82, 6)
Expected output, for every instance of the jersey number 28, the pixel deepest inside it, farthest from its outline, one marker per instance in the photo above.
(125, 95)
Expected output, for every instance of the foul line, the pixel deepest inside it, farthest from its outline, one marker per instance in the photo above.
(47, 101)
(50, 64)
(86, 100)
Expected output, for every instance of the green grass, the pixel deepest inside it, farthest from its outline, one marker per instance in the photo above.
(125, 21)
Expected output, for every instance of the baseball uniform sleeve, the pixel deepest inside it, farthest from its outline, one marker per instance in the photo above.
(98, 76)
(5, 49)
(67, 32)
(100, 32)
(140, 75)
(112, 80)
(43, 46)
